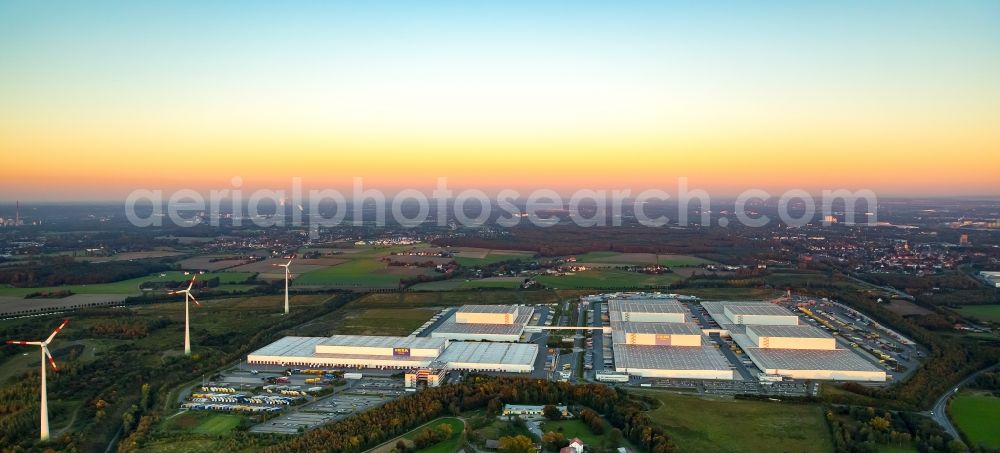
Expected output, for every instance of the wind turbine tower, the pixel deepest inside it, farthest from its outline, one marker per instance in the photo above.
(188, 297)
(46, 355)
(288, 276)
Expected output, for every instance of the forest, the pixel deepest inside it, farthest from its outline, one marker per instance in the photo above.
(377, 425)
(63, 270)
(858, 429)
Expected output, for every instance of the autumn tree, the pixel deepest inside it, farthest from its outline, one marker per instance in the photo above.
(554, 441)
(516, 444)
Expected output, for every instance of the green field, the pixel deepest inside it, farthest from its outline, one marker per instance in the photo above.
(984, 312)
(606, 278)
(976, 415)
(453, 298)
(365, 269)
(382, 321)
(576, 428)
(204, 422)
(490, 257)
(725, 425)
(447, 446)
(130, 286)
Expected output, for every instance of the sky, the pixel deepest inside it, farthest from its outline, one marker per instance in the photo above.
(98, 99)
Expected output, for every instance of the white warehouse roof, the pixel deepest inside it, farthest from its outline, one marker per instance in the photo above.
(758, 309)
(665, 328)
(810, 359)
(647, 306)
(488, 309)
(450, 326)
(669, 358)
(291, 347)
(366, 341)
(799, 331)
(489, 353)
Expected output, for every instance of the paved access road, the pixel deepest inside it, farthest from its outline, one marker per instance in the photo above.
(940, 413)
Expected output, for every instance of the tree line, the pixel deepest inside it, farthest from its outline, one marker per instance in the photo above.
(377, 425)
(62, 270)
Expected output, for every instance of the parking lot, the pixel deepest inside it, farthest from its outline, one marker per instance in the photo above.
(244, 388)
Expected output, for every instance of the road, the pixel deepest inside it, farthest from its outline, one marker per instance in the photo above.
(940, 412)
(739, 367)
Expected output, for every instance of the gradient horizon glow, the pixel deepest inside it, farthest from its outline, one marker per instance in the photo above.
(98, 99)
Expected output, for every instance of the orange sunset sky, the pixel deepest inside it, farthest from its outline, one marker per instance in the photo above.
(899, 97)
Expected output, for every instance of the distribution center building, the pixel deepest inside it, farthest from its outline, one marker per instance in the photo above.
(647, 310)
(656, 334)
(790, 337)
(485, 323)
(356, 351)
(486, 314)
(651, 338)
(385, 352)
(763, 314)
(779, 347)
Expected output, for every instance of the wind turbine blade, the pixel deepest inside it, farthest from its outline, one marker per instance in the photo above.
(17, 342)
(194, 300)
(51, 360)
(192, 282)
(58, 329)
(289, 263)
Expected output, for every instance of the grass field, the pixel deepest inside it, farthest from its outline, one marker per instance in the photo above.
(363, 268)
(606, 278)
(448, 445)
(576, 428)
(983, 312)
(383, 321)
(976, 415)
(724, 425)
(618, 258)
(483, 257)
(203, 422)
(130, 286)
(453, 298)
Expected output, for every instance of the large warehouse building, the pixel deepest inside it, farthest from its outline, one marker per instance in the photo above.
(485, 323)
(647, 310)
(656, 334)
(778, 345)
(383, 352)
(651, 338)
(761, 314)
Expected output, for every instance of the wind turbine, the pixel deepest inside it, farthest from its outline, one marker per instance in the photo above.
(45, 355)
(288, 275)
(187, 319)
